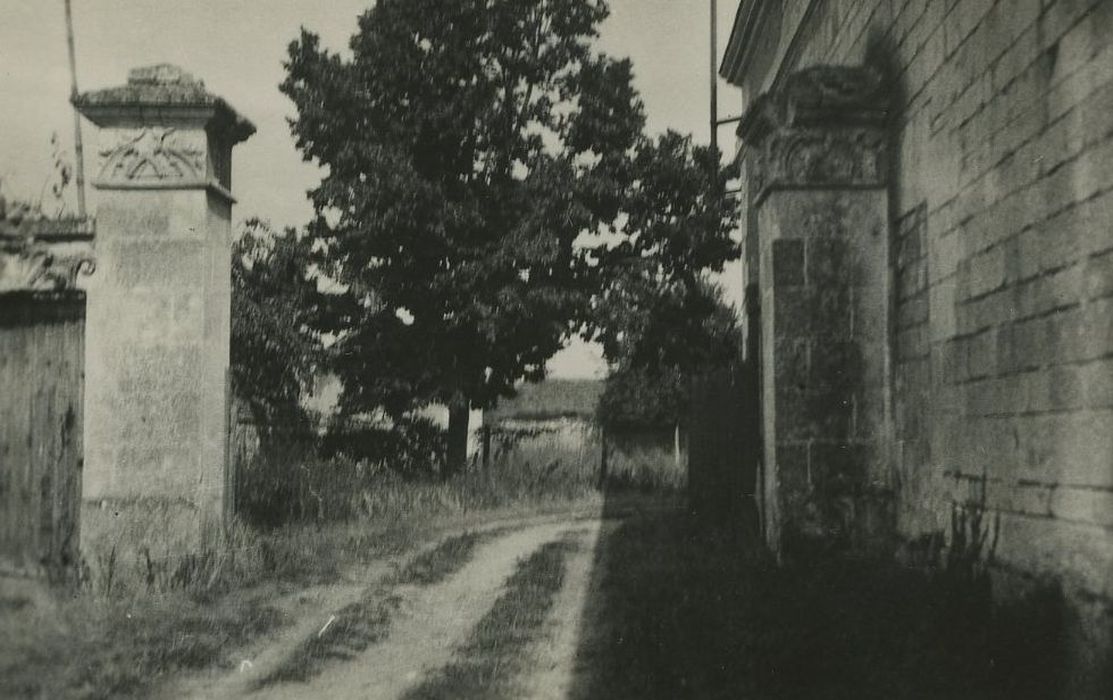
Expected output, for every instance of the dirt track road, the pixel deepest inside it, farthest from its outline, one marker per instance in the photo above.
(432, 629)
(640, 601)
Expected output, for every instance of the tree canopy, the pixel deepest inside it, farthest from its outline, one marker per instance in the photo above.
(658, 317)
(467, 145)
(274, 352)
(472, 152)
(666, 336)
(655, 309)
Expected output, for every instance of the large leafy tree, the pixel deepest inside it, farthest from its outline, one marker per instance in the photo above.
(467, 144)
(274, 351)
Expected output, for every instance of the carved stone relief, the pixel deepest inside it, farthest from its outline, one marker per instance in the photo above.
(839, 157)
(827, 126)
(153, 154)
(30, 266)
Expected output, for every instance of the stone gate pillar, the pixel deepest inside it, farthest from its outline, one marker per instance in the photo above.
(158, 314)
(816, 166)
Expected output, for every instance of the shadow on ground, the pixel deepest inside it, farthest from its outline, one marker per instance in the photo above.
(680, 610)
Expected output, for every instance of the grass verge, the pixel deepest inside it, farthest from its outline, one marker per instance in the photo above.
(136, 627)
(130, 638)
(497, 651)
(103, 648)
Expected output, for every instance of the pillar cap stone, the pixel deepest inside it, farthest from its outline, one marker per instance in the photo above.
(166, 132)
(162, 91)
(826, 127)
(821, 96)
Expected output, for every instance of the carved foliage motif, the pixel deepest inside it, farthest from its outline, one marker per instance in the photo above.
(29, 266)
(845, 156)
(815, 156)
(825, 126)
(153, 154)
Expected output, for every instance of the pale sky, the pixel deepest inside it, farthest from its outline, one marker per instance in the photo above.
(237, 46)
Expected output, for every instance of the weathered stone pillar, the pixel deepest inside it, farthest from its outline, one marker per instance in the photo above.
(816, 169)
(159, 312)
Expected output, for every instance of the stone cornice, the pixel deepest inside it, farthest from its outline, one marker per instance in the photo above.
(217, 118)
(163, 94)
(740, 46)
(765, 25)
(210, 184)
(819, 96)
(827, 126)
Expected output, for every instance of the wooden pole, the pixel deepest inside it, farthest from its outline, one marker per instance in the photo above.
(714, 79)
(676, 446)
(486, 433)
(79, 151)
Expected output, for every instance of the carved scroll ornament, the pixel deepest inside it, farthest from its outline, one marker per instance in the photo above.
(29, 266)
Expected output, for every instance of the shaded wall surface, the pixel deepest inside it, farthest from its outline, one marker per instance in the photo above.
(999, 389)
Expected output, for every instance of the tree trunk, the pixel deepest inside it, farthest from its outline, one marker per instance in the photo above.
(457, 454)
(602, 461)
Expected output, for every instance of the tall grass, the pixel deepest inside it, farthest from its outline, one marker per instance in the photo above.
(95, 646)
(296, 484)
(307, 513)
(340, 489)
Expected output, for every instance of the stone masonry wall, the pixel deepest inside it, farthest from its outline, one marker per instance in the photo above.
(1002, 333)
